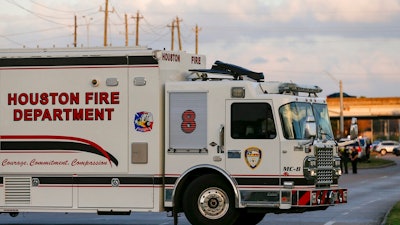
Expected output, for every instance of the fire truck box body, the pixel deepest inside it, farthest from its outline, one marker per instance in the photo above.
(115, 130)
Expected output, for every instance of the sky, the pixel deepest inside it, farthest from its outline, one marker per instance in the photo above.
(313, 42)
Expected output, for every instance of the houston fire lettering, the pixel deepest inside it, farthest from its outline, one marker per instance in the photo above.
(65, 99)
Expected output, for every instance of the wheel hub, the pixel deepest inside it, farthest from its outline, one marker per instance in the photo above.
(213, 203)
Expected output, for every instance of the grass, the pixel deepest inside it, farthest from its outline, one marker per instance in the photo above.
(375, 162)
(394, 215)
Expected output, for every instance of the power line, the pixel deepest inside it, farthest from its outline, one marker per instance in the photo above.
(11, 40)
(43, 17)
(153, 32)
(59, 10)
(35, 31)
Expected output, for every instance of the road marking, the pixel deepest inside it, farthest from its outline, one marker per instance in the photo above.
(330, 222)
(367, 203)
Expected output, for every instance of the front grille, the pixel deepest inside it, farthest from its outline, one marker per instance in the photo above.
(324, 158)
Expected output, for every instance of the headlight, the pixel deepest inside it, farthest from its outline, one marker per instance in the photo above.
(336, 162)
(313, 172)
(310, 162)
(336, 167)
(310, 167)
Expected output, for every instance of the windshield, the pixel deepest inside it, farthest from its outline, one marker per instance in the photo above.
(293, 117)
(323, 122)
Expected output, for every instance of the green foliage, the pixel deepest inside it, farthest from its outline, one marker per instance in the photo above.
(375, 161)
(394, 215)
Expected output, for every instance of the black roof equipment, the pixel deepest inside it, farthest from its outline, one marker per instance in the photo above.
(230, 69)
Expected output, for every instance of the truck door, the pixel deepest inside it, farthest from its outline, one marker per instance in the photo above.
(251, 142)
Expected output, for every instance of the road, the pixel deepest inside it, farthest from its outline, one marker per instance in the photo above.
(372, 192)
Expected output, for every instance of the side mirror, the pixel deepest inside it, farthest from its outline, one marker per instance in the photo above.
(353, 128)
(221, 145)
(310, 127)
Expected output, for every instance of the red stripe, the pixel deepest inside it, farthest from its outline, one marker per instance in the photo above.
(57, 137)
(264, 175)
(323, 197)
(305, 198)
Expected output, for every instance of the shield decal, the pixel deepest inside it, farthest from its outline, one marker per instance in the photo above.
(252, 156)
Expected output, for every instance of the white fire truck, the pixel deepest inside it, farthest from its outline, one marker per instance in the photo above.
(121, 130)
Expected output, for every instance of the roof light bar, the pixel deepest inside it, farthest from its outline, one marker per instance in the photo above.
(292, 88)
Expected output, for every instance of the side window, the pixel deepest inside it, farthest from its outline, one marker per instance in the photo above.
(252, 121)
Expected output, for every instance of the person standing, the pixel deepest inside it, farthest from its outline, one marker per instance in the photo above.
(354, 159)
(344, 158)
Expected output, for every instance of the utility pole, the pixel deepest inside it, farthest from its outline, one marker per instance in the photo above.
(179, 33)
(341, 108)
(341, 121)
(75, 31)
(196, 30)
(172, 34)
(87, 20)
(126, 30)
(105, 22)
(137, 18)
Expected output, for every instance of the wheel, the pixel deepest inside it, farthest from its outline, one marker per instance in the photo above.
(14, 214)
(209, 200)
(246, 218)
(383, 152)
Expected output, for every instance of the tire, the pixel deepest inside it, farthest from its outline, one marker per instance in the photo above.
(383, 152)
(246, 218)
(209, 200)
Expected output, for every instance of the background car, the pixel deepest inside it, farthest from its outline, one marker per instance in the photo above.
(365, 144)
(386, 146)
(396, 150)
(374, 144)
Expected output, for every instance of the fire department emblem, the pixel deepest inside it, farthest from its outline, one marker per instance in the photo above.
(252, 156)
(143, 121)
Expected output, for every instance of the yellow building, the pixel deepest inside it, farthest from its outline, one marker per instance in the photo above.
(378, 118)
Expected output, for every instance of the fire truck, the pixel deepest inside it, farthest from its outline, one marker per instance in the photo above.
(121, 130)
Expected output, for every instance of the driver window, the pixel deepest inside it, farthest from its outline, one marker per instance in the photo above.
(252, 121)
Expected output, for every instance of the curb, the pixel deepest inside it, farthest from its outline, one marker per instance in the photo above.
(385, 217)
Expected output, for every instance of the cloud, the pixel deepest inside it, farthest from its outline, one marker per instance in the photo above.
(355, 11)
(258, 60)
(283, 60)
